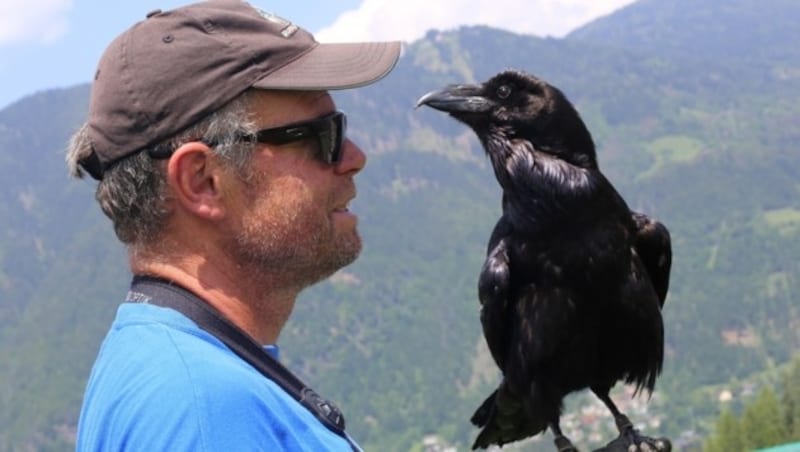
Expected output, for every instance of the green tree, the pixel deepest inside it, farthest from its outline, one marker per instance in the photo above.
(762, 421)
(728, 435)
(791, 401)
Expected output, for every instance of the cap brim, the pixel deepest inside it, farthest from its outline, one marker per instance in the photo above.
(333, 66)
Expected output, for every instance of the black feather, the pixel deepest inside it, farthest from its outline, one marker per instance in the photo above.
(573, 283)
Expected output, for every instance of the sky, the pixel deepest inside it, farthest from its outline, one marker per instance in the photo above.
(47, 44)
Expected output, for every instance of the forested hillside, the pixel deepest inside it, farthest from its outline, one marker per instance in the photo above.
(695, 113)
(772, 418)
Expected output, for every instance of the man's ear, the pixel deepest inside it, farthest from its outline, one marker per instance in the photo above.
(193, 175)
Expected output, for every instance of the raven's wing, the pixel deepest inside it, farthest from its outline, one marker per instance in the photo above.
(652, 244)
(541, 325)
(493, 288)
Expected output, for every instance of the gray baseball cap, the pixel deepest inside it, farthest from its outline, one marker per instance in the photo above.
(174, 68)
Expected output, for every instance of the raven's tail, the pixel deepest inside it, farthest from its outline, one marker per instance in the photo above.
(484, 412)
(504, 418)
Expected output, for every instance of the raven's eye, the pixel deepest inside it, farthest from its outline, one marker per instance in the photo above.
(503, 91)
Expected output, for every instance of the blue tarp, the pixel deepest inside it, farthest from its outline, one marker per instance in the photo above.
(794, 447)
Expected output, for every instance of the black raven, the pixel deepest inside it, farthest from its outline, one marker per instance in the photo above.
(573, 283)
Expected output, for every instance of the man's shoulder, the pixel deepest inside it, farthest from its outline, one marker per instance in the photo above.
(158, 372)
(164, 347)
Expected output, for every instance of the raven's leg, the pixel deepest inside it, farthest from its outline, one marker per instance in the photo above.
(623, 423)
(562, 442)
(628, 434)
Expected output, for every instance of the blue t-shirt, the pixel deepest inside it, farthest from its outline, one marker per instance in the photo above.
(160, 383)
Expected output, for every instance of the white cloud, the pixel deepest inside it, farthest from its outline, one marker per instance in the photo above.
(408, 20)
(40, 21)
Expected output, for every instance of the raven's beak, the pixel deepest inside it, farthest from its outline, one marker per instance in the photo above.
(457, 99)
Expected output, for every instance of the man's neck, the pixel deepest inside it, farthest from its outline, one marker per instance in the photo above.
(248, 298)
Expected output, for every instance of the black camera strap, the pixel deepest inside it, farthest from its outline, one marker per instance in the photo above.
(160, 292)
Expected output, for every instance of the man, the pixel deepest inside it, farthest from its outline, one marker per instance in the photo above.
(224, 168)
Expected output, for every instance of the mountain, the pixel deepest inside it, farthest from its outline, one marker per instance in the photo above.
(738, 31)
(694, 108)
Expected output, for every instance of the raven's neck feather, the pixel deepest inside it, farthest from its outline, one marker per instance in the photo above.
(539, 188)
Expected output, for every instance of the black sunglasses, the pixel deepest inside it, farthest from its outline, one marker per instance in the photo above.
(329, 131)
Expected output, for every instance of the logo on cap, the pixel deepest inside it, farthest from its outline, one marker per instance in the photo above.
(287, 28)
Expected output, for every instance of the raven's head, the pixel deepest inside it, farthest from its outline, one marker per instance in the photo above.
(514, 105)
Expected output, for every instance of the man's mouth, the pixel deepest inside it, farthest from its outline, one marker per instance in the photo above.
(344, 208)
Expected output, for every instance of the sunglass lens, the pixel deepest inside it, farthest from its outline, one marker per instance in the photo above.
(332, 139)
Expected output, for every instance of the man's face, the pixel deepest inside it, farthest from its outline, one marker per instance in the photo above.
(291, 217)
